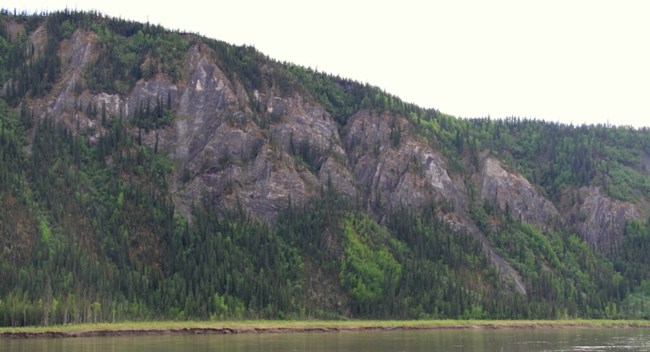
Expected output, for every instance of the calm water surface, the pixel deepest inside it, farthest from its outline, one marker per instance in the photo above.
(394, 341)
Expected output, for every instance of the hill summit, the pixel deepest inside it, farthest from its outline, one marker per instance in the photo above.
(153, 174)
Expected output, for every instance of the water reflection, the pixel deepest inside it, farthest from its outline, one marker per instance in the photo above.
(394, 341)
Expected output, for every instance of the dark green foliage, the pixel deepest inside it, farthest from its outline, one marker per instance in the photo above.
(89, 232)
(445, 274)
(150, 115)
(82, 247)
(636, 304)
(28, 72)
(343, 97)
(339, 97)
(369, 272)
(631, 258)
(130, 51)
(564, 277)
(241, 63)
(557, 156)
(231, 267)
(106, 247)
(632, 254)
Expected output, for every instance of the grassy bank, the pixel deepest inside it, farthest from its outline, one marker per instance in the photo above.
(264, 326)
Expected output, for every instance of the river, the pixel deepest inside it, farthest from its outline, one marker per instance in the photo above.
(387, 341)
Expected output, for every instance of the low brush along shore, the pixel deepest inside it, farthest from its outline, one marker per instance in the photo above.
(247, 327)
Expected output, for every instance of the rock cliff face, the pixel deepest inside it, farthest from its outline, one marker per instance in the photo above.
(225, 154)
(263, 161)
(604, 218)
(64, 102)
(264, 149)
(510, 192)
(396, 169)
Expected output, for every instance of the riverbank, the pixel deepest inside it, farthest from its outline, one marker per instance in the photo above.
(249, 327)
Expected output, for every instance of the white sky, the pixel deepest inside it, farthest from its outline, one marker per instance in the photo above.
(575, 61)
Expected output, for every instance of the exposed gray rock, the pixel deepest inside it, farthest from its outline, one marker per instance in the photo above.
(394, 169)
(334, 172)
(604, 218)
(14, 29)
(510, 192)
(64, 103)
(304, 129)
(227, 157)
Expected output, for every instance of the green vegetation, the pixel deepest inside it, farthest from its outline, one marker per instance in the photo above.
(89, 232)
(561, 272)
(29, 72)
(369, 272)
(637, 304)
(130, 51)
(557, 156)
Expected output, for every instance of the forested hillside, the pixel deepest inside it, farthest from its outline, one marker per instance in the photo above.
(152, 174)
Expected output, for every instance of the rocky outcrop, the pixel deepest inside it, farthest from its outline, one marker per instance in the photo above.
(306, 131)
(65, 101)
(270, 147)
(281, 153)
(260, 148)
(602, 218)
(509, 192)
(393, 167)
(225, 155)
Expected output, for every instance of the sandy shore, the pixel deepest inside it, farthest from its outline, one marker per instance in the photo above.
(256, 327)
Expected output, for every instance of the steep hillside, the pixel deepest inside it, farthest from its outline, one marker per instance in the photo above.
(151, 174)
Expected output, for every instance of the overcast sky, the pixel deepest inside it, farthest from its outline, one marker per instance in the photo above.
(575, 61)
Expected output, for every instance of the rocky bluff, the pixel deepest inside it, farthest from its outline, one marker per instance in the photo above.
(261, 135)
